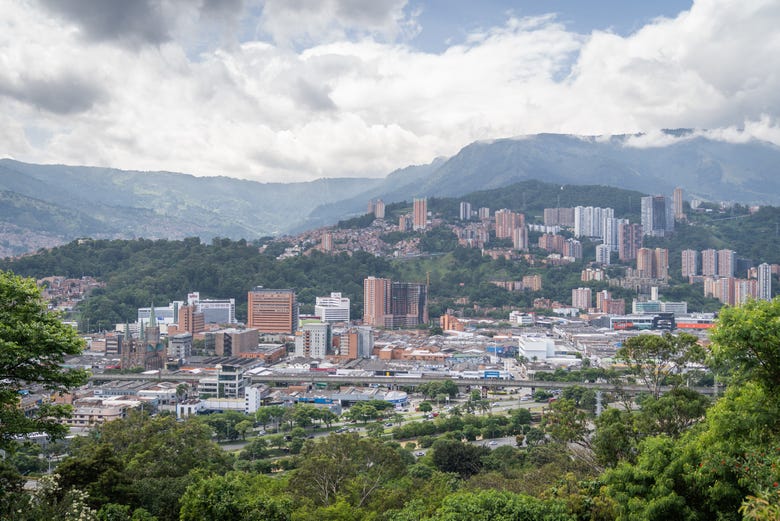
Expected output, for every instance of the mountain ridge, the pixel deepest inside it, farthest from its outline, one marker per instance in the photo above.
(173, 205)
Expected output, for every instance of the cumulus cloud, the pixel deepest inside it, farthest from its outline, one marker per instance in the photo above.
(334, 88)
(310, 22)
(65, 94)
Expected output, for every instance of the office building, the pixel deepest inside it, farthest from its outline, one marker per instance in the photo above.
(420, 214)
(272, 310)
(657, 215)
(191, 320)
(690, 263)
(332, 309)
(215, 311)
(233, 342)
(764, 282)
(581, 298)
(465, 211)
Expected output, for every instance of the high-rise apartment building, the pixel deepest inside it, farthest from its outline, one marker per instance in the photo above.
(644, 263)
(727, 263)
(483, 213)
(589, 221)
(357, 342)
(409, 304)
(657, 215)
(581, 298)
(677, 204)
(709, 263)
(602, 254)
(520, 238)
(332, 309)
(507, 222)
(572, 248)
(394, 304)
(327, 241)
(313, 340)
(420, 214)
(690, 263)
(764, 282)
(559, 217)
(652, 263)
(552, 242)
(661, 263)
(379, 209)
(611, 232)
(465, 211)
(629, 241)
(376, 301)
(272, 310)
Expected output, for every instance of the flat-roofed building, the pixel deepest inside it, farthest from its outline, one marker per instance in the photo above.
(272, 310)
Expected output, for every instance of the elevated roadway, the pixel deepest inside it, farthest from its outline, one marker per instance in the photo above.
(391, 381)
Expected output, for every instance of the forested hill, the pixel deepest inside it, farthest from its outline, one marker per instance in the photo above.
(142, 271)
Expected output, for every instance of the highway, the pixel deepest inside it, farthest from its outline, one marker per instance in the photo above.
(390, 381)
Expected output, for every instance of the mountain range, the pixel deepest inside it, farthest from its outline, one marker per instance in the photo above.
(43, 205)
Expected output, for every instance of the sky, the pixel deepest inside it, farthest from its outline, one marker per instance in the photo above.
(295, 90)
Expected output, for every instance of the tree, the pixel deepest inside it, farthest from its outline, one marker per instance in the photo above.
(239, 496)
(33, 347)
(492, 505)
(564, 423)
(455, 456)
(746, 342)
(659, 360)
(346, 466)
(425, 407)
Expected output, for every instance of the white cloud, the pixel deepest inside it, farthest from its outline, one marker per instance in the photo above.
(338, 92)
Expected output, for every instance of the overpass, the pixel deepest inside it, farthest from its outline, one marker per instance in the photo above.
(306, 378)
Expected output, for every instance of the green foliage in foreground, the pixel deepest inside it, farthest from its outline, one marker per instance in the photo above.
(33, 345)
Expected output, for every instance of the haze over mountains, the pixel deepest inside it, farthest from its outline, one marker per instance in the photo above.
(42, 205)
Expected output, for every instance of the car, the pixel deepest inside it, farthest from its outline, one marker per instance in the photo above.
(388, 424)
(493, 442)
(419, 453)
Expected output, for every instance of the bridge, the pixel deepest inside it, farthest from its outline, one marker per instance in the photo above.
(394, 382)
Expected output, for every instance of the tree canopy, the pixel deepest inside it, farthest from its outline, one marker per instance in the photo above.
(33, 347)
